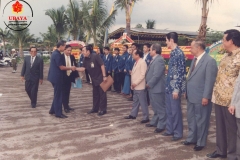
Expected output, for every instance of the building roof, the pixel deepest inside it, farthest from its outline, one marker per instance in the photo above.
(149, 34)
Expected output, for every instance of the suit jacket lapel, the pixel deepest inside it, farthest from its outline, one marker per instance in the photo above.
(197, 67)
(151, 64)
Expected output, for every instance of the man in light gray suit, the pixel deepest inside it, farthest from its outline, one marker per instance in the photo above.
(200, 82)
(155, 83)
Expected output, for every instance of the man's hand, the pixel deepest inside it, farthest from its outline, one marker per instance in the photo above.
(125, 70)
(147, 86)
(73, 68)
(231, 109)
(130, 72)
(104, 79)
(113, 71)
(175, 95)
(204, 101)
(109, 72)
(119, 70)
(185, 95)
(22, 79)
(134, 85)
(41, 81)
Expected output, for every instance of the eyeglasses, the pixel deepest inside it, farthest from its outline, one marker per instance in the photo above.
(33, 51)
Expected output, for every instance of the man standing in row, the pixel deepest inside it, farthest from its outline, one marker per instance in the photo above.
(202, 76)
(147, 57)
(94, 64)
(107, 59)
(116, 70)
(14, 60)
(175, 86)
(138, 86)
(32, 73)
(228, 71)
(55, 76)
(69, 76)
(155, 82)
(122, 65)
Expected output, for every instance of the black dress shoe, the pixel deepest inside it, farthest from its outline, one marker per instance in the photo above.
(92, 111)
(33, 105)
(215, 155)
(62, 116)
(70, 109)
(186, 143)
(129, 117)
(67, 110)
(51, 113)
(149, 125)
(158, 130)
(145, 121)
(101, 113)
(198, 148)
(167, 134)
(176, 138)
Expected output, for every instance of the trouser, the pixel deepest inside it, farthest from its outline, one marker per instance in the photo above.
(198, 117)
(130, 86)
(87, 76)
(174, 116)
(157, 101)
(226, 132)
(140, 99)
(57, 100)
(14, 64)
(117, 85)
(66, 93)
(238, 139)
(31, 88)
(121, 81)
(99, 99)
(109, 74)
(148, 99)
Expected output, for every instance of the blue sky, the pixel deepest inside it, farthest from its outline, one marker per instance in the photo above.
(181, 15)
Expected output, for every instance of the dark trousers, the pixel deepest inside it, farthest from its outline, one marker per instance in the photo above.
(66, 93)
(116, 84)
(238, 139)
(174, 116)
(226, 132)
(57, 100)
(31, 88)
(130, 86)
(109, 74)
(99, 99)
(87, 76)
(122, 77)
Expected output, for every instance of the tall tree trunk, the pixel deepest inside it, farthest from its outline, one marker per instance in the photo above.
(94, 40)
(20, 49)
(128, 23)
(203, 26)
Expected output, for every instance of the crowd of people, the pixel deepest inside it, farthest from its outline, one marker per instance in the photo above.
(140, 76)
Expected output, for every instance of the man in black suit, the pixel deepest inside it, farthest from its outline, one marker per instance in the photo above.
(32, 73)
(69, 76)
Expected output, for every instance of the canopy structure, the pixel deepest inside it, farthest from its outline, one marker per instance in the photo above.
(142, 35)
(76, 45)
(123, 40)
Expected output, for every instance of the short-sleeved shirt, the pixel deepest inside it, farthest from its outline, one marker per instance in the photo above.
(93, 65)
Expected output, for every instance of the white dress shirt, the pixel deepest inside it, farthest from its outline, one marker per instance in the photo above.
(68, 61)
(32, 60)
(145, 56)
(199, 58)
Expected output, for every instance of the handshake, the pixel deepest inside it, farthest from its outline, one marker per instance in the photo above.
(73, 68)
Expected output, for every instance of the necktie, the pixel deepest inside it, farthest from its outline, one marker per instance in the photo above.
(31, 61)
(68, 65)
(194, 65)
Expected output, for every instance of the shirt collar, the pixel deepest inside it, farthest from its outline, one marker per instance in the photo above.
(235, 51)
(154, 56)
(200, 56)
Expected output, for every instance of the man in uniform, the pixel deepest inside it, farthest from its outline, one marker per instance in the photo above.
(96, 69)
(14, 60)
(115, 70)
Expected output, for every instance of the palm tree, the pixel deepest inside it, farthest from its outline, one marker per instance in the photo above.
(139, 26)
(127, 5)
(50, 38)
(96, 18)
(21, 39)
(74, 19)
(203, 26)
(59, 19)
(4, 35)
(150, 24)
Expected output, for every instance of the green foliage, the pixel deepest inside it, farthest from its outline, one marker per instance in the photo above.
(150, 24)
(213, 36)
(139, 26)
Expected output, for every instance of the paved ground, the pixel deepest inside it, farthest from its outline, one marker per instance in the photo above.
(33, 134)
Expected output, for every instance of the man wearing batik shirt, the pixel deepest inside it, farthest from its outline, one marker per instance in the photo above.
(228, 71)
(175, 87)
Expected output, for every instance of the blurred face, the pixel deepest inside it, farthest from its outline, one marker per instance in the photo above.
(62, 48)
(116, 52)
(106, 51)
(135, 56)
(130, 51)
(194, 48)
(33, 52)
(145, 49)
(152, 52)
(124, 49)
(134, 47)
(68, 51)
(227, 44)
(85, 52)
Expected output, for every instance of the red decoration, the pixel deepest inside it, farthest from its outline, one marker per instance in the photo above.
(17, 7)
